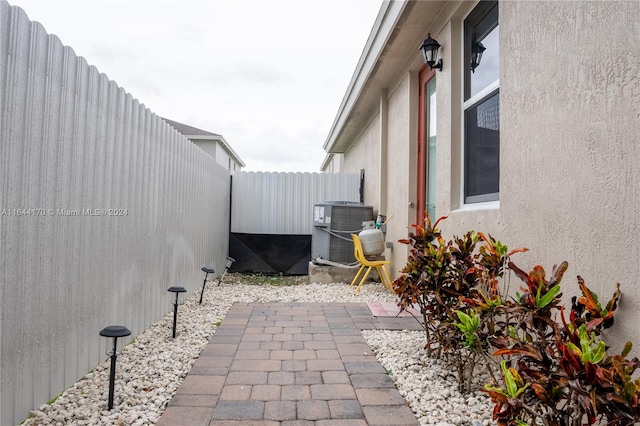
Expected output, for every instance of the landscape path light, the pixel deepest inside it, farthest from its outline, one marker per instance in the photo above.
(207, 270)
(113, 331)
(177, 291)
(227, 265)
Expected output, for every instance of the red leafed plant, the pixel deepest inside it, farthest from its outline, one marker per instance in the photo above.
(453, 283)
(554, 371)
(565, 375)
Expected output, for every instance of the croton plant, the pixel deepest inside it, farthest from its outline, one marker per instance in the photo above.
(547, 368)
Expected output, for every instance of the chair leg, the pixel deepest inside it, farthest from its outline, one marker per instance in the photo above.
(381, 276)
(386, 274)
(362, 281)
(356, 277)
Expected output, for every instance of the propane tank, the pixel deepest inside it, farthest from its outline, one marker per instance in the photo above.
(372, 241)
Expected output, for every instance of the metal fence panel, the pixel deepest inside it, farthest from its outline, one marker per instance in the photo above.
(103, 207)
(282, 203)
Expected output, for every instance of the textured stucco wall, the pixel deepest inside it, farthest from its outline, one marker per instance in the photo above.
(223, 157)
(570, 120)
(485, 217)
(366, 155)
(210, 147)
(570, 157)
(103, 206)
(400, 164)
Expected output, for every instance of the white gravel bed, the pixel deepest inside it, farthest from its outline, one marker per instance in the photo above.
(152, 367)
(428, 384)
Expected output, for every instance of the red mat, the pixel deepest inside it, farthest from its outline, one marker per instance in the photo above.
(390, 309)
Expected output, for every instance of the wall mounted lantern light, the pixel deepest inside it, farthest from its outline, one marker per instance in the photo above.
(207, 270)
(477, 48)
(429, 50)
(177, 291)
(114, 331)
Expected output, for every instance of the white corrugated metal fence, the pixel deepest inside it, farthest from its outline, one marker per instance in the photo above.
(103, 207)
(282, 203)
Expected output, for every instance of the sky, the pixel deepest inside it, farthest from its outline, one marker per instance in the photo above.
(268, 75)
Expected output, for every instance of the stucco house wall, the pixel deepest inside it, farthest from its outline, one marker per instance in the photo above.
(569, 126)
(225, 159)
(366, 155)
(485, 217)
(400, 165)
(210, 147)
(213, 144)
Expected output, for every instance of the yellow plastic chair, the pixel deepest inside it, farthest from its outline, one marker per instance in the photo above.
(358, 252)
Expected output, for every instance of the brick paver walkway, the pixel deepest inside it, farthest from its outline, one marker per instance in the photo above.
(291, 364)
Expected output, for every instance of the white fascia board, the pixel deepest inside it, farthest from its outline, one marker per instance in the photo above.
(224, 144)
(325, 163)
(231, 152)
(385, 23)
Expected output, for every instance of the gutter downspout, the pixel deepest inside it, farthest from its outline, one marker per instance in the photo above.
(384, 132)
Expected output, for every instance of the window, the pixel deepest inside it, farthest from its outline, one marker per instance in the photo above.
(482, 104)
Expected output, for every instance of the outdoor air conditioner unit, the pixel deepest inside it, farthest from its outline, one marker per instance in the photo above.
(333, 224)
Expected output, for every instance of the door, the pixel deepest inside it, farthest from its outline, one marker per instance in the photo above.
(426, 196)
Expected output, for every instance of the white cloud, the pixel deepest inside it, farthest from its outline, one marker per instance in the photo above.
(268, 75)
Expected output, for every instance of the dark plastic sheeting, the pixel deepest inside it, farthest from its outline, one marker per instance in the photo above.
(270, 254)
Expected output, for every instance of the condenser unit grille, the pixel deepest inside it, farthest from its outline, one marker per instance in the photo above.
(332, 241)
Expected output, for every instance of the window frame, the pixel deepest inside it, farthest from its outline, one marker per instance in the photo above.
(476, 17)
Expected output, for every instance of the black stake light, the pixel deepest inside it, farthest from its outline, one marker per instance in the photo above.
(177, 291)
(429, 50)
(230, 261)
(207, 270)
(113, 331)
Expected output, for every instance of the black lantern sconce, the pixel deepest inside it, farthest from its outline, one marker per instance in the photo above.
(477, 48)
(177, 291)
(207, 270)
(230, 261)
(113, 331)
(429, 50)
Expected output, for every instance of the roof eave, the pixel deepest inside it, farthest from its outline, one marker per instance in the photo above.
(384, 24)
(391, 51)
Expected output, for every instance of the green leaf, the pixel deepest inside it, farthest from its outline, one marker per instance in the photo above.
(509, 381)
(522, 389)
(495, 389)
(464, 318)
(589, 353)
(598, 353)
(545, 300)
(585, 341)
(573, 348)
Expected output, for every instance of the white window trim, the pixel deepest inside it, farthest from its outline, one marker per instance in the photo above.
(488, 205)
(487, 91)
(493, 87)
